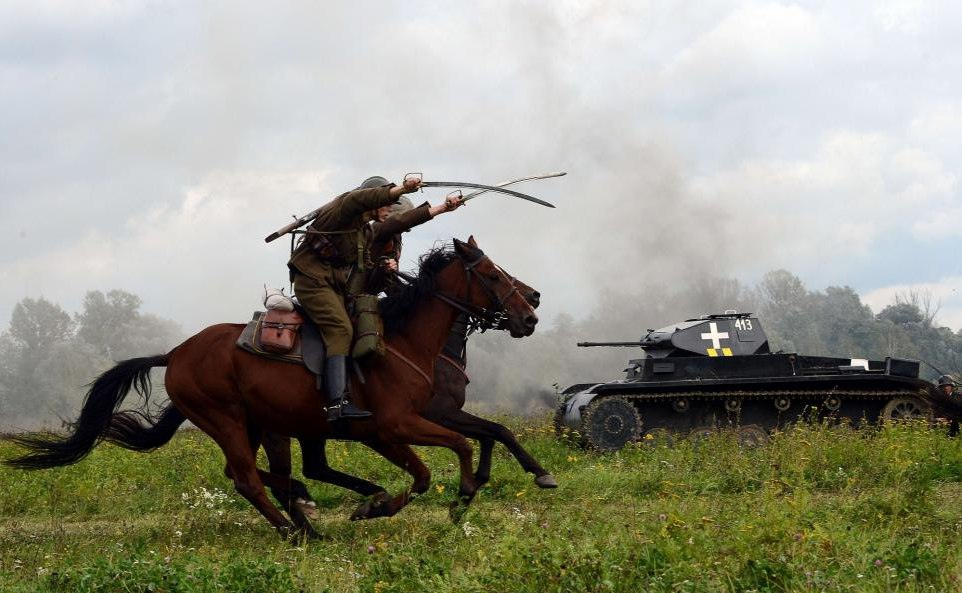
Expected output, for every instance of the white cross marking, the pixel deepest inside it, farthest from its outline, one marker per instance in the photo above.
(715, 336)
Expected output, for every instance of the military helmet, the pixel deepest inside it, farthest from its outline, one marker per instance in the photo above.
(402, 205)
(376, 181)
(946, 380)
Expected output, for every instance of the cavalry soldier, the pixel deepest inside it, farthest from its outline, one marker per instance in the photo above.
(332, 264)
(386, 243)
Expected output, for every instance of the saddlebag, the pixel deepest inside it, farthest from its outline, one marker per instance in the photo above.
(278, 330)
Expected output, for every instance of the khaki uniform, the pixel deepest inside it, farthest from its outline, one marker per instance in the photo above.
(386, 242)
(336, 245)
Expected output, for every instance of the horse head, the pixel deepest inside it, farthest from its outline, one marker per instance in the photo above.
(499, 298)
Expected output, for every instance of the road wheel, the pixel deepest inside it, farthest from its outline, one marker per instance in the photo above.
(701, 433)
(752, 435)
(610, 423)
(906, 408)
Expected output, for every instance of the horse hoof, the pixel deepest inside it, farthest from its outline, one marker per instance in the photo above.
(457, 511)
(546, 481)
(308, 508)
(375, 507)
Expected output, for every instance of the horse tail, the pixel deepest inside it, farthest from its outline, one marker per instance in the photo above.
(98, 412)
(137, 431)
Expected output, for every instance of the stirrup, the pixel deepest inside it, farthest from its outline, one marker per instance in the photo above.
(346, 410)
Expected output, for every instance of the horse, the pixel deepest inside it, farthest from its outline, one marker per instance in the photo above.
(234, 396)
(444, 408)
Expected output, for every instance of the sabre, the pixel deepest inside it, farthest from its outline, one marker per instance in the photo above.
(480, 186)
(475, 194)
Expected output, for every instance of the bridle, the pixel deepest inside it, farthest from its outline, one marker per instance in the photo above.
(482, 318)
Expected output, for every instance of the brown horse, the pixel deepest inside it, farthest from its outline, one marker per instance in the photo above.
(444, 408)
(234, 396)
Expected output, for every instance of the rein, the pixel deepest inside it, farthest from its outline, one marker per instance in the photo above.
(480, 318)
(410, 363)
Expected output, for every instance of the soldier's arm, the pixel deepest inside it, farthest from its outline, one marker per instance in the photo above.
(403, 222)
(359, 201)
(355, 203)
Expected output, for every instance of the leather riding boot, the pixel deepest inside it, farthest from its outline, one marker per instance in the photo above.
(338, 391)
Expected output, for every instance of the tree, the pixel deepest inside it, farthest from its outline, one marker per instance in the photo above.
(38, 324)
(104, 318)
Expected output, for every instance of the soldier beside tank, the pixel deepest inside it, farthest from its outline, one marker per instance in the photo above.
(331, 265)
(948, 386)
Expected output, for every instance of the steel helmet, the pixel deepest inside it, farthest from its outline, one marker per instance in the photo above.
(376, 181)
(402, 205)
(946, 380)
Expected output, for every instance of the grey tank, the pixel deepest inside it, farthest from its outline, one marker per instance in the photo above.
(717, 372)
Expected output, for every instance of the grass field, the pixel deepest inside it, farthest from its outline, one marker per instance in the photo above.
(818, 509)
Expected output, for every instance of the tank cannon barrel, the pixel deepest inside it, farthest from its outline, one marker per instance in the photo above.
(625, 344)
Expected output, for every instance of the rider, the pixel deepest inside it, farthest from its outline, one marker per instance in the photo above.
(328, 266)
(386, 244)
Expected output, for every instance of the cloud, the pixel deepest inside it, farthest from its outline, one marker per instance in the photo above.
(946, 294)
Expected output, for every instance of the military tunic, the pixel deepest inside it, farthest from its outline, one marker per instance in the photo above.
(386, 241)
(337, 242)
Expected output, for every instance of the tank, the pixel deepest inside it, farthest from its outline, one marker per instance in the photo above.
(718, 372)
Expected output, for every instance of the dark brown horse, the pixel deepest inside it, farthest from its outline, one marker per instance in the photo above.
(444, 408)
(234, 396)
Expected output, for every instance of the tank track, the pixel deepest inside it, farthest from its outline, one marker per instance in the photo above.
(606, 432)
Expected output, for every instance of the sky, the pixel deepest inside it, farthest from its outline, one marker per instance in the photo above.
(151, 146)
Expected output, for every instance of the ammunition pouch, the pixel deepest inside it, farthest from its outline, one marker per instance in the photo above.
(368, 327)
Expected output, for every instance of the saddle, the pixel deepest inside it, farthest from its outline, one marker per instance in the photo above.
(266, 330)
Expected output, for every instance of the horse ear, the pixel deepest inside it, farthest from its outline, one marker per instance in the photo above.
(472, 242)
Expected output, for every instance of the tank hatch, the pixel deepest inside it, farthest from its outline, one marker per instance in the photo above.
(727, 334)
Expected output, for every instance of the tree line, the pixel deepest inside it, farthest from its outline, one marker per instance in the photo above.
(47, 355)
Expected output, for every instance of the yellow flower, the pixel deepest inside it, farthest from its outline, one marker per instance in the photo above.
(520, 494)
(439, 488)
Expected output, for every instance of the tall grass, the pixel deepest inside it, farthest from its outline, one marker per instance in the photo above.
(820, 508)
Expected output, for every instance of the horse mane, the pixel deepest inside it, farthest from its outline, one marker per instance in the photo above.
(398, 308)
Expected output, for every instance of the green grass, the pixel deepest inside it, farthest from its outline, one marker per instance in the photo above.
(818, 509)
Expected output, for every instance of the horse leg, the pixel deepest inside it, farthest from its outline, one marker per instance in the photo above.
(292, 494)
(404, 457)
(242, 468)
(417, 430)
(487, 432)
(317, 468)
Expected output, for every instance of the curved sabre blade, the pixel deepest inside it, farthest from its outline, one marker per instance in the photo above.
(493, 188)
(475, 194)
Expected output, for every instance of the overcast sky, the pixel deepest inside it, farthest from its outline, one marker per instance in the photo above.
(151, 146)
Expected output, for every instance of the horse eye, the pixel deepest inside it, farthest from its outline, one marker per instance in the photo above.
(494, 276)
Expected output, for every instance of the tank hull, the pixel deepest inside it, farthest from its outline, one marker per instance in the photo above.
(685, 395)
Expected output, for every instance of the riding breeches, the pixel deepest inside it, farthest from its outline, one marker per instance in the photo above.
(325, 306)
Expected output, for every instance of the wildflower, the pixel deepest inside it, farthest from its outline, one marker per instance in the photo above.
(878, 562)
(370, 549)
(662, 517)
(572, 458)
(521, 493)
(468, 529)
(439, 488)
